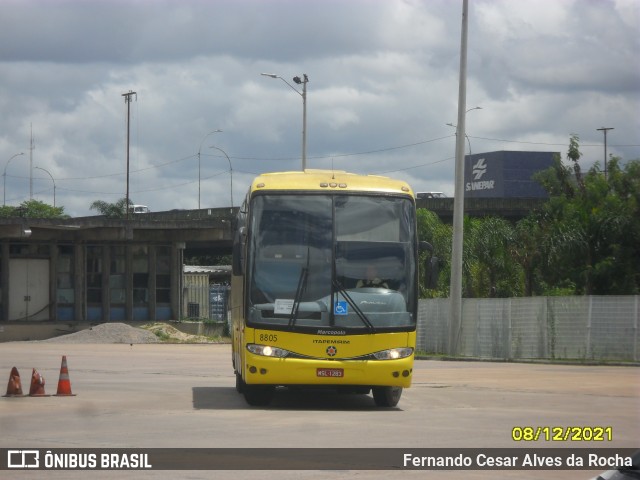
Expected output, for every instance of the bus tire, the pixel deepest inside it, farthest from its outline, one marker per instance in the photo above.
(387, 396)
(239, 383)
(257, 395)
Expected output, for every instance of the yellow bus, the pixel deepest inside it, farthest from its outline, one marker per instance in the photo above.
(324, 286)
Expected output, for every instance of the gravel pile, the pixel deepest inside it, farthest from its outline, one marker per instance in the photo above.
(108, 333)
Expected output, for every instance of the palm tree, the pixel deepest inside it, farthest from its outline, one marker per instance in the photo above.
(493, 270)
(111, 210)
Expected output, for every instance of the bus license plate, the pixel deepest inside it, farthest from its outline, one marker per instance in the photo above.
(330, 372)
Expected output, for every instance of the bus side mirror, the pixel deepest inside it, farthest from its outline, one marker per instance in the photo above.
(425, 247)
(431, 266)
(431, 273)
(239, 242)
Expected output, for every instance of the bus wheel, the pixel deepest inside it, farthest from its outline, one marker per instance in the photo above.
(387, 396)
(239, 383)
(257, 395)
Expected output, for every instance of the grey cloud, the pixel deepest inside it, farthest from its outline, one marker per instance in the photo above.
(383, 84)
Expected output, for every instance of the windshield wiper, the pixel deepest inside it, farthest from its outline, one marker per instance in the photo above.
(302, 286)
(360, 313)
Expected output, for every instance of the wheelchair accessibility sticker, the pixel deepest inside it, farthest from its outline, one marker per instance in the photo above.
(341, 307)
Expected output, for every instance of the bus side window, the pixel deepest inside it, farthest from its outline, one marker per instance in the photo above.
(239, 242)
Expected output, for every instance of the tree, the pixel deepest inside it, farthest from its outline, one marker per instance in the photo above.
(487, 258)
(111, 210)
(530, 235)
(557, 180)
(494, 271)
(589, 230)
(33, 209)
(432, 230)
(208, 260)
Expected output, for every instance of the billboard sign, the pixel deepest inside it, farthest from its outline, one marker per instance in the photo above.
(505, 174)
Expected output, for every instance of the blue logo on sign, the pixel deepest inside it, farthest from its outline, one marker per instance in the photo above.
(341, 308)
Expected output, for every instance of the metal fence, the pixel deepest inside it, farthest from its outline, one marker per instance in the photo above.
(204, 301)
(593, 328)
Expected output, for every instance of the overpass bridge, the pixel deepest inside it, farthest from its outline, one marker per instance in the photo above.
(207, 231)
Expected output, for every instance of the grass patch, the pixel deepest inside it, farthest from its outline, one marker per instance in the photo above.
(169, 334)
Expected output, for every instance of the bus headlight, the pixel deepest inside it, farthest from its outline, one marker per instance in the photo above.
(393, 353)
(267, 350)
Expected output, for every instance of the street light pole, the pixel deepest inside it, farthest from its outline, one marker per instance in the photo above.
(127, 99)
(230, 172)
(4, 175)
(605, 130)
(54, 185)
(199, 163)
(300, 81)
(304, 82)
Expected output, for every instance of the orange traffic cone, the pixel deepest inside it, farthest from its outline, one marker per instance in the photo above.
(14, 388)
(64, 384)
(37, 385)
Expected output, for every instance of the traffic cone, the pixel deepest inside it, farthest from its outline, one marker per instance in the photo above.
(37, 385)
(14, 388)
(64, 384)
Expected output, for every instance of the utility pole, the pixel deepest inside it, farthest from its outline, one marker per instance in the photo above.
(455, 286)
(31, 149)
(127, 100)
(605, 130)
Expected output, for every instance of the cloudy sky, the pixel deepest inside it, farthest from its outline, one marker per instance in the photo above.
(383, 85)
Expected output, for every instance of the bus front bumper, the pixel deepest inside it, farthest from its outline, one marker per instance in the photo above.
(262, 370)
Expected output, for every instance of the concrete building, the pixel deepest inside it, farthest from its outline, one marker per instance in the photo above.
(62, 275)
(505, 174)
(496, 184)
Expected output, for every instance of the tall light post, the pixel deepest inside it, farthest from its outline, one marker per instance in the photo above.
(127, 99)
(199, 162)
(4, 176)
(54, 184)
(605, 130)
(230, 172)
(300, 81)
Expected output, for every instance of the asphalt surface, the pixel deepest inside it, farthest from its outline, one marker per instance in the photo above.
(183, 396)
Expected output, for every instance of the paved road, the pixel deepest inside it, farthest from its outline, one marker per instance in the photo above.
(148, 396)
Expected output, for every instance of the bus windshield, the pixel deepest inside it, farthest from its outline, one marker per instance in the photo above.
(333, 262)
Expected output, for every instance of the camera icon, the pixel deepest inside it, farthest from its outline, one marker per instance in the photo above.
(23, 459)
